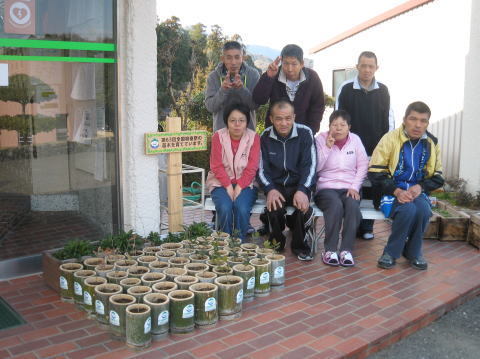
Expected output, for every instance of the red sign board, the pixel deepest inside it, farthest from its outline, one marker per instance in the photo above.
(20, 17)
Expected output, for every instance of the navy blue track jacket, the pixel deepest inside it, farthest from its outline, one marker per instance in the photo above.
(288, 162)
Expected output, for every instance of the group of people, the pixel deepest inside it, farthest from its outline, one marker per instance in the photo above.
(292, 163)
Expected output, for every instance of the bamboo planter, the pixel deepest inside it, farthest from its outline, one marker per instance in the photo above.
(103, 269)
(146, 260)
(124, 264)
(164, 255)
(263, 252)
(138, 292)
(151, 278)
(171, 273)
(137, 271)
(230, 296)
(182, 311)
(185, 281)
(112, 258)
(129, 283)
(116, 276)
(206, 299)
(159, 305)
(262, 276)
(164, 287)
(51, 269)
(277, 274)
(66, 280)
(138, 326)
(193, 268)
(178, 262)
(198, 258)
(247, 273)
(78, 278)
(89, 285)
(158, 266)
(91, 263)
(206, 277)
(171, 246)
(118, 304)
(103, 292)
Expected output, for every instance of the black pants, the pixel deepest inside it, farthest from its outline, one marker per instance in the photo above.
(299, 223)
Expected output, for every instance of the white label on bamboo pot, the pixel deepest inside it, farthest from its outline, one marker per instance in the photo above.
(78, 288)
(87, 298)
(279, 272)
(63, 283)
(264, 278)
(163, 318)
(99, 308)
(240, 296)
(210, 304)
(251, 283)
(147, 326)
(114, 318)
(188, 311)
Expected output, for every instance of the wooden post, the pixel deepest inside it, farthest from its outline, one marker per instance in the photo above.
(174, 181)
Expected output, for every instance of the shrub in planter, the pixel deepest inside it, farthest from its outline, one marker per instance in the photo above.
(118, 304)
(182, 311)
(138, 326)
(159, 305)
(75, 249)
(230, 296)
(206, 299)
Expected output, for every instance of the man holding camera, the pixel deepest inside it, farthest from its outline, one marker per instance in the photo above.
(232, 81)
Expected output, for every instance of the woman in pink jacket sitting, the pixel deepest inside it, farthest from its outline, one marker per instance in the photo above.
(233, 164)
(342, 165)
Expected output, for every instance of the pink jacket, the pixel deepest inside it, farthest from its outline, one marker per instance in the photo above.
(234, 166)
(341, 169)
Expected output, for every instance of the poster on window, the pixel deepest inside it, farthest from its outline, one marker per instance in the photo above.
(20, 17)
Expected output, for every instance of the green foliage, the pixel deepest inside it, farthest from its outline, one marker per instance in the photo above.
(196, 229)
(272, 244)
(154, 238)
(22, 124)
(458, 195)
(25, 90)
(75, 248)
(122, 242)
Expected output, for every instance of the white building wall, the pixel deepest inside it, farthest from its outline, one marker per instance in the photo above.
(137, 72)
(470, 149)
(421, 56)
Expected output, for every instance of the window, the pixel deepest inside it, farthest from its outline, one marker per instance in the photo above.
(340, 76)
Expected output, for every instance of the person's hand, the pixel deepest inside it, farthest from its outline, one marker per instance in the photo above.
(415, 191)
(231, 192)
(353, 193)
(300, 201)
(272, 69)
(330, 140)
(403, 196)
(237, 191)
(274, 200)
(237, 83)
(227, 84)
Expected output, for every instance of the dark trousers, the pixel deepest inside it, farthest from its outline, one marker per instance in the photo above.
(337, 207)
(410, 220)
(299, 222)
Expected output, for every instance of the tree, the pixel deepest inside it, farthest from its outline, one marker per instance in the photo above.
(25, 90)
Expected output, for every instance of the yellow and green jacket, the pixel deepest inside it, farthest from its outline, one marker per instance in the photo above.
(387, 155)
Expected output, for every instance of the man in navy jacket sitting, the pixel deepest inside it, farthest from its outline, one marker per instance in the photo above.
(287, 174)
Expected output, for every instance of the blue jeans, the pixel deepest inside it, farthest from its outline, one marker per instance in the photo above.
(234, 214)
(410, 220)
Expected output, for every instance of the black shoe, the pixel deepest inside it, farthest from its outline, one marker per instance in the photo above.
(264, 230)
(419, 263)
(386, 261)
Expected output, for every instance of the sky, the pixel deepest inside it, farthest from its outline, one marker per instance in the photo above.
(277, 23)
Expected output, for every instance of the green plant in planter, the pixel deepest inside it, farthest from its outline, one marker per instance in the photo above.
(216, 257)
(75, 248)
(123, 242)
(154, 238)
(272, 244)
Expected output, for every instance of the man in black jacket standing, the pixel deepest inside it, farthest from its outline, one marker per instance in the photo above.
(368, 103)
(292, 80)
(288, 180)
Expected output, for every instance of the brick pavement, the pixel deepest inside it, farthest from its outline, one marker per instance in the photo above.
(323, 312)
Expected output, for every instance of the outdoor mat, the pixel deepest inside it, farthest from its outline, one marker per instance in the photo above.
(8, 316)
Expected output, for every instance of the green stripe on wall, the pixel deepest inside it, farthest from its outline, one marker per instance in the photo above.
(57, 58)
(48, 44)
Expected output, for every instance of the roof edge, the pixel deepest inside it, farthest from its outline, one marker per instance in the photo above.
(387, 15)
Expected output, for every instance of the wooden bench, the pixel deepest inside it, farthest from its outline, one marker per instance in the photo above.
(366, 207)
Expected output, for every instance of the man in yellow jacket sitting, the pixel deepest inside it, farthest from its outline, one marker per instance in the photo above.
(406, 165)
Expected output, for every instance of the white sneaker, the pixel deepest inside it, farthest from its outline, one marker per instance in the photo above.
(368, 236)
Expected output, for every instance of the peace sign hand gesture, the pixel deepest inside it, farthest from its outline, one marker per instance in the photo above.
(272, 69)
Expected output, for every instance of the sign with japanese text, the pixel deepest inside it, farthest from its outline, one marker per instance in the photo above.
(20, 17)
(168, 142)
